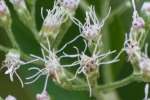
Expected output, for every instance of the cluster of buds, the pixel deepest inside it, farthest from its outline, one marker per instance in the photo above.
(133, 45)
(133, 39)
(12, 62)
(4, 14)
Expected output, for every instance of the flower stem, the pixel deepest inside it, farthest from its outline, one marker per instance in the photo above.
(121, 83)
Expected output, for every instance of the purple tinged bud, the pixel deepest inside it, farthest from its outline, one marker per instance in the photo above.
(3, 7)
(138, 23)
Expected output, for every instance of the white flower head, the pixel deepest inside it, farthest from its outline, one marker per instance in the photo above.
(146, 7)
(88, 64)
(52, 69)
(69, 5)
(3, 8)
(10, 97)
(91, 29)
(53, 20)
(43, 96)
(12, 62)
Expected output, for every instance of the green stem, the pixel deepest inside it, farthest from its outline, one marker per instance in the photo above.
(121, 83)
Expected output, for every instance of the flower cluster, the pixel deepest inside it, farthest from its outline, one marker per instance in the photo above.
(90, 31)
(87, 64)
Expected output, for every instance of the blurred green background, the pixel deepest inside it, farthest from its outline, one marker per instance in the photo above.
(117, 25)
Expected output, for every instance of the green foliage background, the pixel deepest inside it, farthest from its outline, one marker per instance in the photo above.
(117, 25)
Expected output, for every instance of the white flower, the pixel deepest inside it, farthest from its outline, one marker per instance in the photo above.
(10, 97)
(53, 20)
(91, 29)
(52, 69)
(91, 63)
(69, 5)
(12, 62)
(146, 7)
(43, 96)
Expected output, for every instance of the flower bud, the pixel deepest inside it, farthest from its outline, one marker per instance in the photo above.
(43, 96)
(10, 97)
(53, 22)
(138, 23)
(146, 8)
(5, 19)
(3, 7)
(69, 5)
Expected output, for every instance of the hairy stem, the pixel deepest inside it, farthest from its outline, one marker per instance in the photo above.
(121, 83)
